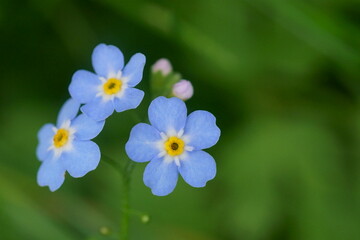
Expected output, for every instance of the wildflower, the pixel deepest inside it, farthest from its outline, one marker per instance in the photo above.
(67, 146)
(162, 65)
(112, 87)
(173, 144)
(183, 89)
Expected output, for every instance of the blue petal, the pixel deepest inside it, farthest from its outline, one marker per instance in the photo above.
(83, 86)
(45, 137)
(83, 158)
(98, 109)
(68, 111)
(161, 176)
(201, 130)
(134, 69)
(131, 99)
(86, 128)
(141, 146)
(107, 59)
(52, 174)
(167, 114)
(198, 168)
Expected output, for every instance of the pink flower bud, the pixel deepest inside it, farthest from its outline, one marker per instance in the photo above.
(183, 89)
(163, 65)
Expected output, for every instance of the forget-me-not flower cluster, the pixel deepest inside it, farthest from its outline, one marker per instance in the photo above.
(66, 147)
(173, 143)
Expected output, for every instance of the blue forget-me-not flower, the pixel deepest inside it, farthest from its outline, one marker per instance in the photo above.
(112, 87)
(173, 144)
(67, 146)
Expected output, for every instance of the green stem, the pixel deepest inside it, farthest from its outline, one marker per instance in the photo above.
(125, 217)
(124, 224)
(113, 163)
(125, 172)
(134, 212)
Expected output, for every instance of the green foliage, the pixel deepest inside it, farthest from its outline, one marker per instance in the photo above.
(161, 85)
(282, 77)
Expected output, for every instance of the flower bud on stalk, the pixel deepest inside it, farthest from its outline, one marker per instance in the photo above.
(163, 65)
(183, 89)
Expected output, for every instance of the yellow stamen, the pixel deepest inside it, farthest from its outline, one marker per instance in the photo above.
(61, 138)
(174, 146)
(112, 86)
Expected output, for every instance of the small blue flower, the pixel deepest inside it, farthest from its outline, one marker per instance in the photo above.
(173, 144)
(112, 87)
(67, 146)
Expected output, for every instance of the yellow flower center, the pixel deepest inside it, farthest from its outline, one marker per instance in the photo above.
(61, 137)
(174, 146)
(112, 86)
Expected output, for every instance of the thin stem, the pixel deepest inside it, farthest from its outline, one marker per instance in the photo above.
(124, 224)
(125, 172)
(113, 163)
(135, 212)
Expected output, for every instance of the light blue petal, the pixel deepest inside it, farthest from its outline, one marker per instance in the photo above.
(198, 168)
(86, 128)
(83, 86)
(52, 174)
(131, 99)
(141, 146)
(107, 59)
(201, 130)
(134, 69)
(83, 158)
(98, 109)
(45, 137)
(167, 114)
(161, 176)
(68, 111)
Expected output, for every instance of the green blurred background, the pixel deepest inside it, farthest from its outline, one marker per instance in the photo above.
(282, 77)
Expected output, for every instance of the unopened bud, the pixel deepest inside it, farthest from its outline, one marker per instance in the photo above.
(163, 65)
(145, 218)
(183, 89)
(104, 231)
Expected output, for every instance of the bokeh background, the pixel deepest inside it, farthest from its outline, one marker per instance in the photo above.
(282, 77)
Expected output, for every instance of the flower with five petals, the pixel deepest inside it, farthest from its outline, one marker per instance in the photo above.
(173, 144)
(112, 87)
(67, 146)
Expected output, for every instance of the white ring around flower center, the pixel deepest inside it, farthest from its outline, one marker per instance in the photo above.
(100, 89)
(68, 145)
(161, 146)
